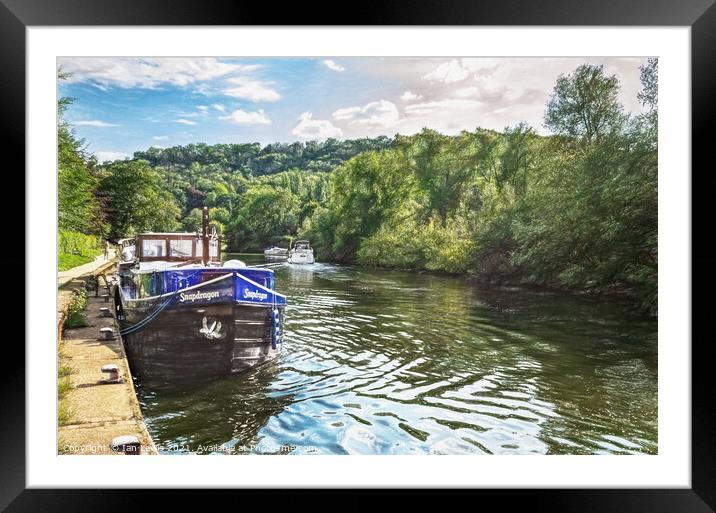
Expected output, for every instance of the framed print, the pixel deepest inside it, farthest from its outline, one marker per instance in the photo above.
(442, 248)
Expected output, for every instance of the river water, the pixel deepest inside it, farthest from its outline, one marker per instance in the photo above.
(391, 362)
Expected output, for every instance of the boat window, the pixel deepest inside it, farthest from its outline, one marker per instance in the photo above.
(180, 248)
(153, 247)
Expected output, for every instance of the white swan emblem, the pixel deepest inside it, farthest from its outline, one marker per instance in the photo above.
(211, 332)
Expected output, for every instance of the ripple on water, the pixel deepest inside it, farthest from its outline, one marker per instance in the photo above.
(378, 362)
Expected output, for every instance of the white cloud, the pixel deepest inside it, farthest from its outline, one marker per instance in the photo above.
(328, 63)
(377, 114)
(409, 96)
(203, 109)
(448, 72)
(447, 94)
(148, 73)
(242, 117)
(104, 156)
(346, 113)
(251, 89)
(482, 65)
(465, 92)
(441, 106)
(93, 122)
(160, 137)
(183, 121)
(315, 129)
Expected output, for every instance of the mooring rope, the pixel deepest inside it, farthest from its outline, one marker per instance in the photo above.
(149, 318)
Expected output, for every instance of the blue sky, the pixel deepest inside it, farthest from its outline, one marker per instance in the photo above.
(127, 104)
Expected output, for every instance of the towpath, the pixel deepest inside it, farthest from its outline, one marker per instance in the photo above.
(95, 413)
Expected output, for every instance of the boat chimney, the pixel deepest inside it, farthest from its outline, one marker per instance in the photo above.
(205, 235)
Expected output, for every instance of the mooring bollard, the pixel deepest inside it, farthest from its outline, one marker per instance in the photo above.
(104, 312)
(106, 334)
(128, 444)
(112, 371)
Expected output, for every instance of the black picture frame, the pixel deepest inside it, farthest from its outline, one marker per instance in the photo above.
(700, 15)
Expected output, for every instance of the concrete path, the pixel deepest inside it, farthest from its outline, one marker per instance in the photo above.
(97, 412)
(64, 277)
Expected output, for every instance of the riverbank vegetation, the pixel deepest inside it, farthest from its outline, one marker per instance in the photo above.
(75, 248)
(64, 386)
(76, 317)
(576, 209)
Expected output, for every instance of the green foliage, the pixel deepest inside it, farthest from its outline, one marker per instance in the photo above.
(649, 95)
(251, 159)
(584, 104)
(575, 210)
(64, 382)
(137, 199)
(68, 261)
(79, 208)
(192, 222)
(64, 386)
(76, 317)
(74, 248)
(265, 216)
(64, 416)
(433, 247)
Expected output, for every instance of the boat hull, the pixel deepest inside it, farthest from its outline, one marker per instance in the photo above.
(301, 258)
(221, 326)
(177, 345)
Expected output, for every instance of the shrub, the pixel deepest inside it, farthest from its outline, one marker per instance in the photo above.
(76, 317)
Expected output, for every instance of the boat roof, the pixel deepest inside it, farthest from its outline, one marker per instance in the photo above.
(161, 265)
(168, 234)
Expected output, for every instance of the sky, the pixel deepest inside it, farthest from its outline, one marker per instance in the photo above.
(126, 104)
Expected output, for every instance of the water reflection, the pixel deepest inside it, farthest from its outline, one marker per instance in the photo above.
(380, 362)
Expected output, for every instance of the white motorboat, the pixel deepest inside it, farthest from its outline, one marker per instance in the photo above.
(301, 253)
(276, 251)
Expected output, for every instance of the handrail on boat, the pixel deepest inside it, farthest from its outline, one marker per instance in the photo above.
(170, 296)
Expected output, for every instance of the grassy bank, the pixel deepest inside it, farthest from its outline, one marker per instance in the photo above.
(64, 385)
(74, 248)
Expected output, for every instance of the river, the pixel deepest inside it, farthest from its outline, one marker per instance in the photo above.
(392, 362)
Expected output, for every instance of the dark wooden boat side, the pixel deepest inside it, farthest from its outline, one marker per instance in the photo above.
(172, 348)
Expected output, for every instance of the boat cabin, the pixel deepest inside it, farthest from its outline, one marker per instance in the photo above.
(177, 247)
(301, 245)
(152, 249)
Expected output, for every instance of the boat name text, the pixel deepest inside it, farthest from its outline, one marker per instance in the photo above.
(255, 294)
(198, 295)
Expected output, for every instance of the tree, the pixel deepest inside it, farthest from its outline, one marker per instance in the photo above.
(78, 206)
(517, 160)
(584, 104)
(265, 216)
(649, 95)
(193, 222)
(138, 200)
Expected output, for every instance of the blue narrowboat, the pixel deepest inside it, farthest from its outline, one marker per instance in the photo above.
(185, 316)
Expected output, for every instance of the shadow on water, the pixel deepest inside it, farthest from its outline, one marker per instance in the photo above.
(388, 362)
